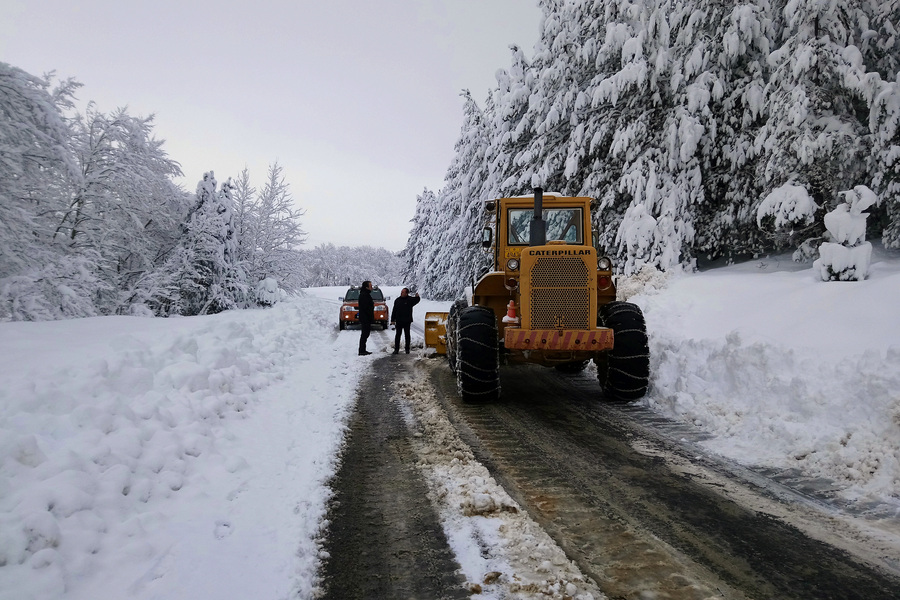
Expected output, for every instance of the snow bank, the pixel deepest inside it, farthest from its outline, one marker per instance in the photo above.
(182, 457)
(785, 370)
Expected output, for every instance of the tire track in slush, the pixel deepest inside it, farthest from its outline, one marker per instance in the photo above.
(384, 538)
(637, 527)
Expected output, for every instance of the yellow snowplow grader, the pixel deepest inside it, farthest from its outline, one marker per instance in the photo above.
(550, 299)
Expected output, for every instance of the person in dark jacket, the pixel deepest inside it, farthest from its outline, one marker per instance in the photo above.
(366, 315)
(402, 316)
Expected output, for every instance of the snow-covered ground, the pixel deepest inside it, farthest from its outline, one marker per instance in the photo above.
(170, 458)
(784, 369)
(189, 457)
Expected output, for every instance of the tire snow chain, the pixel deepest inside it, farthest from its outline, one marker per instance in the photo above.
(627, 374)
(477, 368)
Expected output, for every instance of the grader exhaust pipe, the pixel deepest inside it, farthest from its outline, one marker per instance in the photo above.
(538, 232)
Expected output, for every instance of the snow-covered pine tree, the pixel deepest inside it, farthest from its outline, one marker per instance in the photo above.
(235, 290)
(653, 145)
(417, 245)
(878, 22)
(558, 73)
(204, 278)
(881, 53)
(735, 78)
(788, 208)
(510, 131)
(456, 255)
(885, 122)
(813, 135)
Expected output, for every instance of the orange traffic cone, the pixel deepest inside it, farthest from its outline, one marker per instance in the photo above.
(511, 313)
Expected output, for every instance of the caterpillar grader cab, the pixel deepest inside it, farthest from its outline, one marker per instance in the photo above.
(550, 299)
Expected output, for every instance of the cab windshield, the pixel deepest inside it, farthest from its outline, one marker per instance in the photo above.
(353, 295)
(563, 224)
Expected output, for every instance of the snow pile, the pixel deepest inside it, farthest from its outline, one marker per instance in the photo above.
(788, 206)
(648, 280)
(268, 292)
(502, 552)
(181, 457)
(785, 370)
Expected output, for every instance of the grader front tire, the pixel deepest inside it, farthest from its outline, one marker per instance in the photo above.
(626, 374)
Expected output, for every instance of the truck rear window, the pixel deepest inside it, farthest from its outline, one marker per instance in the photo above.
(353, 295)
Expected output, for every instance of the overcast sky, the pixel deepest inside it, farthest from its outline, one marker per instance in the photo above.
(358, 100)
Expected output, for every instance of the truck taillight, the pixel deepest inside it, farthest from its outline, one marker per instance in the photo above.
(511, 283)
(603, 282)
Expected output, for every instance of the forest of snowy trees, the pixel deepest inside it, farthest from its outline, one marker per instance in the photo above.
(680, 117)
(91, 222)
(705, 130)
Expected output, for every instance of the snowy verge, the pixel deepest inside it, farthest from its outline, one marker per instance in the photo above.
(175, 458)
(502, 551)
(783, 369)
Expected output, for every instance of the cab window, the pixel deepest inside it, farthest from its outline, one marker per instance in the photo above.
(563, 224)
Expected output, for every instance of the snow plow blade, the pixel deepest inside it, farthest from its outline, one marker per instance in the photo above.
(436, 331)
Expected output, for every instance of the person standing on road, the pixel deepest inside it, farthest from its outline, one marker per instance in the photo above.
(402, 316)
(366, 315)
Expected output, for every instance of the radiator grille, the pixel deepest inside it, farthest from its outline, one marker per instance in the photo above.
(560, 296)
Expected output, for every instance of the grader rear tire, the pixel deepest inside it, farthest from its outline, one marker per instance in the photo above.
(626, 374)
(477, 354)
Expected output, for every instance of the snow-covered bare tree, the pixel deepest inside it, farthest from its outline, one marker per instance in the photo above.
(244, 196)
(270, 231)
(91, 221)
(126, 207)
(40, 278)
